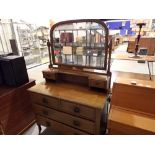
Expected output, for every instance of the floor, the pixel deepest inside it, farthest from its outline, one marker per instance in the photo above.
(123, 68)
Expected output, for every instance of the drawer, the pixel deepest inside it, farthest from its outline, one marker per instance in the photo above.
(58, 127)
(49, 75)
(77, 110)
(50, 102)
(75, 122)
(98, 83)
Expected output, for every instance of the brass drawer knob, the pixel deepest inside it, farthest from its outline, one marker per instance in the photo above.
(76, 123)
(76, 110)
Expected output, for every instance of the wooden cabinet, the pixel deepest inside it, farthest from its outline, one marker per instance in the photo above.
(125, 122)
(139, 97)
(16, 113)
(148, 43)
(68, 108)
(131, 47)
(133, 107)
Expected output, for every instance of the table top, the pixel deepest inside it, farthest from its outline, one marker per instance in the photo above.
(135, 82)
(132, 119)
(129, 57)
(4, 90)
(71, 92)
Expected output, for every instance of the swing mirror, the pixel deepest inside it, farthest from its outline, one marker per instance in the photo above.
(81, 43)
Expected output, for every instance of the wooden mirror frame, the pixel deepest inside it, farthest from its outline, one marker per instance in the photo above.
(52, 62)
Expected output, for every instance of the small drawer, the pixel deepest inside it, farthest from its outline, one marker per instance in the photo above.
(49, 75)
(98, 83)
(50, 102)
(58, 127)
(75, 122)
(77, 110)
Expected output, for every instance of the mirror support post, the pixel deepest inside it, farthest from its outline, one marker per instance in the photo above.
(49, 51)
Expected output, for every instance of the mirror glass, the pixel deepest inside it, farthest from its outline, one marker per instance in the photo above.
(80, 44)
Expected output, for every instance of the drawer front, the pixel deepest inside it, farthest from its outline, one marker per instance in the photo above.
(98, 83)
(67, 119)
(49, 75)
(58, 127)
(77, 110)
(45, 100)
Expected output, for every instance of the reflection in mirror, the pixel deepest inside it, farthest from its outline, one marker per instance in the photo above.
(81, 44)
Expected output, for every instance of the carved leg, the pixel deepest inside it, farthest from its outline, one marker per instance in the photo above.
(39, 128)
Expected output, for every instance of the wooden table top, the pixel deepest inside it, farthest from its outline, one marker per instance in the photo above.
(139, 83)
(71, 92)
(132, 119)
(128, 57)
(4, 90)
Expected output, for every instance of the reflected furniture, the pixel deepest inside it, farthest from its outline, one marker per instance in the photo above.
(73, 98)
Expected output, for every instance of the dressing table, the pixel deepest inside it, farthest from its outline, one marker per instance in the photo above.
(73, 98)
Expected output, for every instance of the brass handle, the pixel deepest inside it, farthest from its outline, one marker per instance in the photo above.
(76, 109)
(45, 112)
(48, 124)
(45, 100)
(76, 123)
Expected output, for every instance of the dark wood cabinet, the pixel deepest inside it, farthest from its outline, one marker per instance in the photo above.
(16, 113)
(148, 43)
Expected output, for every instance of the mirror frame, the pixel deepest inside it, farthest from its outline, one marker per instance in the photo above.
(79, 21)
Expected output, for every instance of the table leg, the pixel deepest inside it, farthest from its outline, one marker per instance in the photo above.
(150, 75)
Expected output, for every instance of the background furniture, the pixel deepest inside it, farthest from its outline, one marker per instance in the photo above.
(145, 42)
(131, 47)
(148, 59)
(13, 70)
(124, 122)
(16, 113)
(133, 108)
